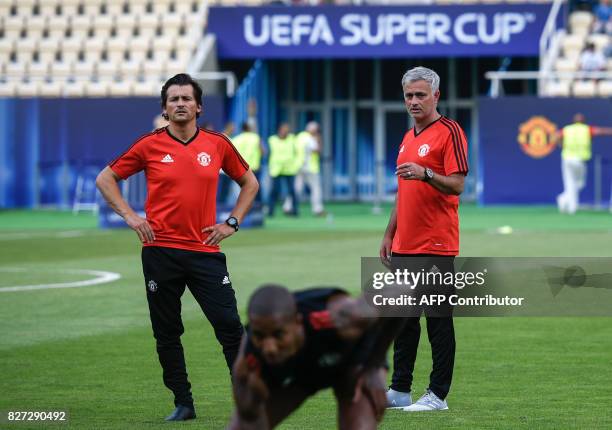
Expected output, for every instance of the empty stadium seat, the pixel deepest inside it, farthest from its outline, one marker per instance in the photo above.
(96, 89)
(572, 45)
(120, 88)
(80, 26)
(580, 22)
(74, 89)
(24, 49)
(125, 25)
(103, 26)
(35, 25)
(15, 71)
(115, 49)
(51, 89)
(70, 49)
(27, 89)
(566, 65)
(38, 70)
(92, 8)
(114, 7)
(130, 69)
(47, 7)
(57, 25)
(558, 88)
(146, 88)
(107, 70)
(69, 7)
(61, 70)
(13, 26)
(8, 89)
(92, 49)
(84, 70)
(583, 88)
(148, 25)
(604, 88)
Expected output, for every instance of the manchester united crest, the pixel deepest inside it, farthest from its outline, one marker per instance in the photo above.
(204, 159)
(536, 136)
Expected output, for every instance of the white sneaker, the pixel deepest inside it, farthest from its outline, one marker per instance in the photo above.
(429, 402)
(398, 399)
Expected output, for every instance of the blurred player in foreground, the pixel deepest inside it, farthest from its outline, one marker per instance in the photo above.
(297, 344)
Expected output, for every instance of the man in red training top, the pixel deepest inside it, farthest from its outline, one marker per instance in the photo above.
(423, 232)
(180, 234)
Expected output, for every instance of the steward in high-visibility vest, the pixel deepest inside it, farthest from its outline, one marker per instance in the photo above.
(308, 155)
(576, 142)
(283, 156)
(576, 151)
(248, 145)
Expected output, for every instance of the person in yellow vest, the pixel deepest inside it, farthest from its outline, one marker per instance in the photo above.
(283, 164)
(575, 140)
(309, 147)
(248, 144)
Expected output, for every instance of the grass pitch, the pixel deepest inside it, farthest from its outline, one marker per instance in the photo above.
(90, 350)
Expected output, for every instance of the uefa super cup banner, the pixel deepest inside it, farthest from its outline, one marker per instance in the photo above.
(378, 32)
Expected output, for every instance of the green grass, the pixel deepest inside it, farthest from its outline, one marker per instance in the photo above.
(90, 350)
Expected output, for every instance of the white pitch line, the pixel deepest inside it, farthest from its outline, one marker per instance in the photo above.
(100, 278)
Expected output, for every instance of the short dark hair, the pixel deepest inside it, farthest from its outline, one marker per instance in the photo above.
(181, 79)
(272, 299)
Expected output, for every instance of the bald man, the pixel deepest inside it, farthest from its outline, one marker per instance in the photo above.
(297, 344)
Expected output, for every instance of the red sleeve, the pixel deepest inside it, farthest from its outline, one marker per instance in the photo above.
(455, 151)
(131, 161)
(233, 164)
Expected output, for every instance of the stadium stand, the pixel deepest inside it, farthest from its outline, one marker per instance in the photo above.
(581, 33)
(95, 48)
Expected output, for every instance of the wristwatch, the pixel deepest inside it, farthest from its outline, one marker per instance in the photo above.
(233, 222)
(429, 174)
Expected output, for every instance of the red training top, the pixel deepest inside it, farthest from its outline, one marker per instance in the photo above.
(427, 219)
(182, 182)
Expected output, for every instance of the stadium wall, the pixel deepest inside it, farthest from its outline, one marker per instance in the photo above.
(518, 163)
(45, 144)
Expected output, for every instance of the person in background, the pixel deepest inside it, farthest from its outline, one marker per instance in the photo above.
(310, 147)
(249, 145)
(575, 140)
(603, 18)
(283, 165)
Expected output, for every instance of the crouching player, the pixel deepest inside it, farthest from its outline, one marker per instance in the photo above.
(299, 343)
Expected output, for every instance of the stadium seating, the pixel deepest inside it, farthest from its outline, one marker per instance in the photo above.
(572, 44)
(72, 48)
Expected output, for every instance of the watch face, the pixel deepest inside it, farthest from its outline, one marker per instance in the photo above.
(232, 221)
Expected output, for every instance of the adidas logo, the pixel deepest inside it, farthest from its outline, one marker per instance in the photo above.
(434, 269)
(167, 159)
(226, 280)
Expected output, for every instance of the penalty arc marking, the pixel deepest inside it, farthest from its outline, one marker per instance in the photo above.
(99, 277)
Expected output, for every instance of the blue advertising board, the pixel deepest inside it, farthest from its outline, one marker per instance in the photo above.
(378, 32)
(518, 162)
(46, 143)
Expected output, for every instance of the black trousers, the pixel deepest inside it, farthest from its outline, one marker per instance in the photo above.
(440, 331)
(167, 271)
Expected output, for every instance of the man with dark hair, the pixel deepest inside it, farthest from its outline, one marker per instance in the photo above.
(180, 234)
(297, 344)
